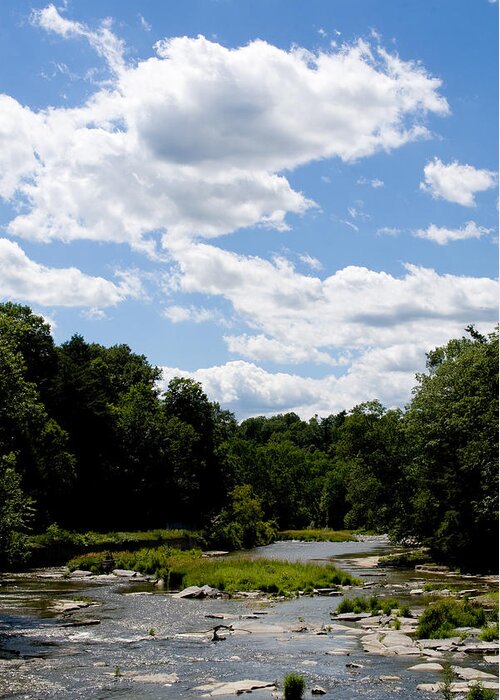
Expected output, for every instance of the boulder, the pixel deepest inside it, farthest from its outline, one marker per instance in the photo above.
(317, 690)
(426, 667)
(198, 592)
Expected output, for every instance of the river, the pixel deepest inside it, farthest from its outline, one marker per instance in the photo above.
(150, 645)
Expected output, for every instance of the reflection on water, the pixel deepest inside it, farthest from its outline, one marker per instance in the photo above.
(147, 632)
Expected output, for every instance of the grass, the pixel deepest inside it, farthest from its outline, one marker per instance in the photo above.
(406, 560)
(180, 569)
(440, 619)
(317, 535)
(372, 605)
(293, 687)
(55, 535)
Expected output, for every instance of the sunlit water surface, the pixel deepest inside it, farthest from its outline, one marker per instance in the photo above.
(145, 631)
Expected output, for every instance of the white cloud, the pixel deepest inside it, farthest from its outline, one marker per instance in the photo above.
(26, 280)
(199, 117)
(376, 183)
(355, 308)
(105, 43)
(246, 389)
(444, 235)
(179, 314)
(388, 231)
(456, 183)
(311, 262)
(145, 24)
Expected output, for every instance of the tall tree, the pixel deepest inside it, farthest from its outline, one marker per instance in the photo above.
(452, 425)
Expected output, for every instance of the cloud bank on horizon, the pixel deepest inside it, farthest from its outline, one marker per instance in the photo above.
(183, 154)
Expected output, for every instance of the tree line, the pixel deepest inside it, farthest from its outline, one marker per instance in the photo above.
(88, 441)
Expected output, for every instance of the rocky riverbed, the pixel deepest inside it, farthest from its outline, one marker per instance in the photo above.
(121, 636)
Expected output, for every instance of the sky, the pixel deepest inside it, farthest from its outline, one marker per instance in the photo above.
(290, 201)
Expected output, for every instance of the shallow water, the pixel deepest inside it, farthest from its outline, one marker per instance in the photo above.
(40, 657)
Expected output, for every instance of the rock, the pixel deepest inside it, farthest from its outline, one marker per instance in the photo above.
(491, 660)
(215, 617)
(213, 553)
(198, 592)
(426, 667)
(392, 639)
(389, 678)
(472, 674)
(125, 573)
(161, 678)
(338, 652)
(317, 690)
(353, 665)
(65, 606)
(79, 573)
(327, 591)
(431, 567)
(81, 623)
(216, 689)
(352, 617)
(441, 644)
(417, 591)
(480, 648)
(454, 687)
(468, 592)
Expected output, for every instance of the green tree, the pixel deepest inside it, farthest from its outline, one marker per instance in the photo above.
(16, 514)
(241, 525)
(452, 426)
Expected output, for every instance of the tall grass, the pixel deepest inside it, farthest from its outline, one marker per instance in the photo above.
(324, 535)
(180, 569)
(440, 619)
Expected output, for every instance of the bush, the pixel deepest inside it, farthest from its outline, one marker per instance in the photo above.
(441, 618)
(489, 634)
(478, 692)
(293, 687)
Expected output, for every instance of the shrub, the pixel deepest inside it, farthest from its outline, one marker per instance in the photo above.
(441, 618)
(293, 687)
(489, 634)
(479, 692)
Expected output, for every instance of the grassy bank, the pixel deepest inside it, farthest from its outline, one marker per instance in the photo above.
(323, 535)
(56, 545)
(180, 569)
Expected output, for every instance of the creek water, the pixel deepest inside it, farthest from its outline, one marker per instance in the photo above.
(144, 636)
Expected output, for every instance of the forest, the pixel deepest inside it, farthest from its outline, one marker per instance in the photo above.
(88, 441)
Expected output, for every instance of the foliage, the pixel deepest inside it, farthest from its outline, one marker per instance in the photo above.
(489, 634)
(440, 619)
(406, 560)
(315, 535)
(478, 692)
(16, 512)
(373, 605)
(293, 687)
(225, 573)
(242, 524)
(92, 444)
(452, 476)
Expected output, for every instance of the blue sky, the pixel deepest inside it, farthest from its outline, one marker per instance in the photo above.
(291, 202)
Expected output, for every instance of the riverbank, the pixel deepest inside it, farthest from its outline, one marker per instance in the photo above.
(126, 637)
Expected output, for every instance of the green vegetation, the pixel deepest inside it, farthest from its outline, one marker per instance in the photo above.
(489, 634)
(317, 535)
(373, 605)
(87, 441)
(479, 692)
(181, 569)
(440, 619)
(406, 560)
(293, 687)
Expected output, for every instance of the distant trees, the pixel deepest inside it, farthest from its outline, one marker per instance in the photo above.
(88, 441)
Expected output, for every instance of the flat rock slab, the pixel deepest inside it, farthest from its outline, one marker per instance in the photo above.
(454, 687)
(432, 666)
(352, 617)
(64, 606)
(491, 660)
(80, 573)
(473, 674)
(389, 679)
(234, 688)
(441, 644)
(129, 573)
(396, 639)
(159, 678)
(480, 648)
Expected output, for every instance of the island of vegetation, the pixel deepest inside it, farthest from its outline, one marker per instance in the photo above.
(90, 445)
